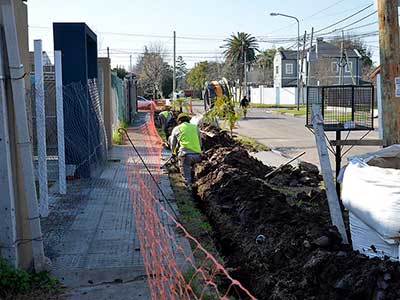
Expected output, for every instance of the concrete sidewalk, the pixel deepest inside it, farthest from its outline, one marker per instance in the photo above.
(90, 237)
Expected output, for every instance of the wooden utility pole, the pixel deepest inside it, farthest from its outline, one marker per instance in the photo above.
(390, 59)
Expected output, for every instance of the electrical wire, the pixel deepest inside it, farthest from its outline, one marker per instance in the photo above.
(345, 19)
(351, 24)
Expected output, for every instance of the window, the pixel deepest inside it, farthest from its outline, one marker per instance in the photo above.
(289, 68)
(349, 67)
(277, 69)
(334, 67)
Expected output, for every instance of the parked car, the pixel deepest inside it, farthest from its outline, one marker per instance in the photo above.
(144, 103)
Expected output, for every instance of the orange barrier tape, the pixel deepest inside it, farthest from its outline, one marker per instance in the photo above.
(168, 250)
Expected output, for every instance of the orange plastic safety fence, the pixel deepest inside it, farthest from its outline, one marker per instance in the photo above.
(177, 265)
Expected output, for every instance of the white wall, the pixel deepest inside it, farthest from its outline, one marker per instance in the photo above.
(274, 96)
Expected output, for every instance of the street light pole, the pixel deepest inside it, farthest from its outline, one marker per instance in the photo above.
(245, 69)
(298, 54)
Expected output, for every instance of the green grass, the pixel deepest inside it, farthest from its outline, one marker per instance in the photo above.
(341, 118)
(21, 285)
(196, 223)
(191, 216)
(251, 144)
(301, 112)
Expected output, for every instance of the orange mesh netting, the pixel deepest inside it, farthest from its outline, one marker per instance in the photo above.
(177, 266)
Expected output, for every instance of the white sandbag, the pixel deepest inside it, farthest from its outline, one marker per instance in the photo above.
(372, 194)
(368, 242)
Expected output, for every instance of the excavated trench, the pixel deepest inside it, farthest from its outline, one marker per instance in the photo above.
(281, 247)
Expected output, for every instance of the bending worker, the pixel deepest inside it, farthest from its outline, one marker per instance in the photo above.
(185, 139)
(164, 118)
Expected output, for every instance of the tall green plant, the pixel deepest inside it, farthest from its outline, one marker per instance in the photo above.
(180, 104)
(224, 108)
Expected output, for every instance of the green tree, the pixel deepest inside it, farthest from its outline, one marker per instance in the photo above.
(238, 47)
(181, 71)
(121, 71)
(166, 84)
(265, 63)
(197, 76)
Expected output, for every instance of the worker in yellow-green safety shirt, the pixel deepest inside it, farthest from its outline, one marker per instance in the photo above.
(164, 118)
(185, 142)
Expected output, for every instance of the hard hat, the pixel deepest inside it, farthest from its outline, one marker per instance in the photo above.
(183, 115)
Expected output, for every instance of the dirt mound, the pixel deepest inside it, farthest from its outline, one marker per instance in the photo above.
(232, 157)
(280, 250)
(212, 137)
(305, 174)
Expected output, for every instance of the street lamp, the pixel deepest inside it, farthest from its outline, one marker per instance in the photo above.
(298, 52)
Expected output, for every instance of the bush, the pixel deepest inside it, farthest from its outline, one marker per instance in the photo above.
(16, 281)
(224, 108)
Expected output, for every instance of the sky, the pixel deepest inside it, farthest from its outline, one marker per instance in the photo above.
(126, 26)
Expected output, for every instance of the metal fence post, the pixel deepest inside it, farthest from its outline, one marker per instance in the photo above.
(62, 182)
(41, 129)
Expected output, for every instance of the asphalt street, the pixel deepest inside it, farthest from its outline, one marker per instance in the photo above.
(289, 136)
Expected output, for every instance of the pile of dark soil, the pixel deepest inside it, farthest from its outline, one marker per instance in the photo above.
(232, 157)
(281, 250)
(305, 174)
(212, 138)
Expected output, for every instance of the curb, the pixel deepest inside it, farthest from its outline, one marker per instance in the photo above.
(285, 114)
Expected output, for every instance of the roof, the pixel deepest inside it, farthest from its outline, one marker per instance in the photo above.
(329, 50)
(288, 54)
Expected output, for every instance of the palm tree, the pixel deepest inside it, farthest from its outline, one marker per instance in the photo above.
(265, 62)
(240, 48)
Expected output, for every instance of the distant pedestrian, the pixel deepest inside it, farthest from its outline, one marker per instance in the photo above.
(185, 142)
(244, 103)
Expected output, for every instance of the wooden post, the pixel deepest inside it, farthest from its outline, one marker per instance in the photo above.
(390, 59)
(326, 169)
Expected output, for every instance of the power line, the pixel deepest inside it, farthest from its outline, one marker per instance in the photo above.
(310, 16)
(345, 19)
(355, 22)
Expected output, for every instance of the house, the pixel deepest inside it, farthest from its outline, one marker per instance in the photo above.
(285, 68)
(327, 65)
(324, 64)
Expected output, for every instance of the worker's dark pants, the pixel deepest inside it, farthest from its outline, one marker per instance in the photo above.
(186, 163)
(164, 124)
